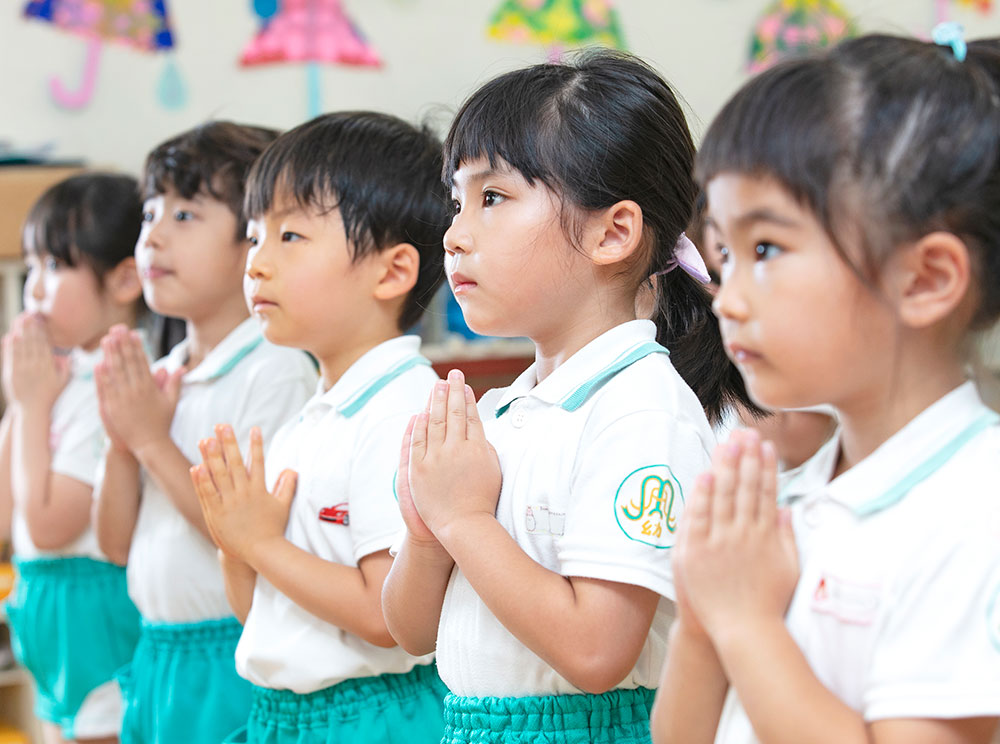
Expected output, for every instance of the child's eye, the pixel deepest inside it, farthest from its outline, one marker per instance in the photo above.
(289, 236)
(766, 251)
(723, 253)
(147, 216)
(252, 240)
(52, 264)
(183, 215)
(491, 198)
(456, 207)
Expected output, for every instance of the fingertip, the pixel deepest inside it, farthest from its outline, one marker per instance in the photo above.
(455, 376)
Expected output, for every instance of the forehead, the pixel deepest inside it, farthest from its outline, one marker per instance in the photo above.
(737, 201)
(473, 170)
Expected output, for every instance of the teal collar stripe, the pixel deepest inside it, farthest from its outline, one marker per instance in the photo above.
(357, 401)
(928, 467)
(236, 358)
(579, 396)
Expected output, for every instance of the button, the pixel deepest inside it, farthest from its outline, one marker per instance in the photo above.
(518, 418)
(812, 515)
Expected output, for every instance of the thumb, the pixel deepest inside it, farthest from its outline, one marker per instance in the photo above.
(284, 489)
(172, 385)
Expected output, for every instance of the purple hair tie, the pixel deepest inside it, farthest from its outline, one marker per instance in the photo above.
(686, 256)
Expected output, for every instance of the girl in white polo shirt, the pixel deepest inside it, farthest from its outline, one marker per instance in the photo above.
(182, 684)
(73, 623)
(537, 557)
(856, 196)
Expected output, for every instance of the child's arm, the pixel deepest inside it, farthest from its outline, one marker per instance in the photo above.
(249, 523)
(455, 480)
(239, 578)
(741, 563)
(139, 407)
(415, 587)
(116, 508)
(693, 685)
(6, 495)
(56, 507)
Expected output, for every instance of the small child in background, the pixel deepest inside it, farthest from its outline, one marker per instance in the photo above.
(347, 215)
(72, 621)
(548, 591)
(181, 685)
(856, 196)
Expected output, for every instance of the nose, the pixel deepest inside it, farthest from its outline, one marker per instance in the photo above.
(730, 301)
(456, 237)
(34, 288)
(258, 265)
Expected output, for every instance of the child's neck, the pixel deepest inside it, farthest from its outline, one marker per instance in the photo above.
(204, 334)
(333, 363)
(891, 403)
(557, 344)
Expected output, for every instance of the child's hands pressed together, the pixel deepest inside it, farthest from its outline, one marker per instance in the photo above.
(137, 405)
(33, 375)
(241, 515)
(737, 561)
(454, 473)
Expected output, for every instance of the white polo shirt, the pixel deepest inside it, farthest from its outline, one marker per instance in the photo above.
(344, 445)
(597, 460)
(897, 608)
(76, 441)
(173, 572)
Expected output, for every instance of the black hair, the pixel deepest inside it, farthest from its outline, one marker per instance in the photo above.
(91, 219)
(885, 139)
(381, 173)
(213, 158)
(596, 129)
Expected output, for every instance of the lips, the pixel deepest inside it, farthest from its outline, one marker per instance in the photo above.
(461, 284)
(742, 354)
(154, 272)
(259, 303)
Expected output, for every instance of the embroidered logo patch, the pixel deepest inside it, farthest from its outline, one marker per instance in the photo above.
(648, 506)
(993, 618)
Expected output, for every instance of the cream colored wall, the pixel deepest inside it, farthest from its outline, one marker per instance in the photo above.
(436, 52)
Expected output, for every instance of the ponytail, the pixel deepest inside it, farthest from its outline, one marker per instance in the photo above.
(686, 325)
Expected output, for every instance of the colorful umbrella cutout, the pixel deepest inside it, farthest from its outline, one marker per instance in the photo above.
(792, 27)
(141, 24)
(310, 32)
(558, 23)
(941, 7)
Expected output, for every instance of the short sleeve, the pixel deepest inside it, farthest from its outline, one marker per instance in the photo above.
(78, 441)
(628, 490)
(938, 650)
(375, 521)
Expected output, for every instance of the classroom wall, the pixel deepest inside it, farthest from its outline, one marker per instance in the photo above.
(435, 51)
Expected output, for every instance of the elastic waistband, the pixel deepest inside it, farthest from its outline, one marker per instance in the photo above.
(206, 633)
(285, 706)
(77, 566)
(549, 712)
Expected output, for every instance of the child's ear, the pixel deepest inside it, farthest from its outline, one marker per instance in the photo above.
(122, 282)
(615, 233)
(398, 270)
(934, 276)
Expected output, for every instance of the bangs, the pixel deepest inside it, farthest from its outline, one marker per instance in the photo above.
(503, 121)
(787, 124)
(52, 226)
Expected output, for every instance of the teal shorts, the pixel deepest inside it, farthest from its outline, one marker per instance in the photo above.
(388, 709)
(73, 627)
(616, 717)
(182, 686)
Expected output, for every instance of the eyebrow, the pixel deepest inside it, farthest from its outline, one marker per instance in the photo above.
(763, 214)
(482, 175)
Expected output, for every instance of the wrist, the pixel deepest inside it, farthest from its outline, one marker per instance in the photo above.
(460, 526)
(254, 553)
(690, 635)
(427, 549)
(149, 450)
(734, 638)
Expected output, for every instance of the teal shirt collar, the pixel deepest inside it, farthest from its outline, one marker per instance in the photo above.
(222, 359)
(911, 455)
(580, 376)
(371, 373)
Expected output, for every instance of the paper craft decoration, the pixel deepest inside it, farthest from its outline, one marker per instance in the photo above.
(557, 24)
(311, 32)
(941, 7)
(141, 24)
(792, 27)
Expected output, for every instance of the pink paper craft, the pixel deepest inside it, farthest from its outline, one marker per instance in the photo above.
(310, 31)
